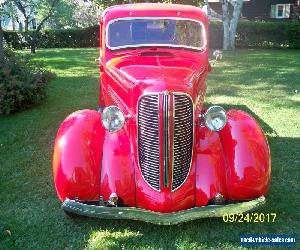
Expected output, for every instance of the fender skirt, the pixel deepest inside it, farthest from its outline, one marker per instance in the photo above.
(133, 213)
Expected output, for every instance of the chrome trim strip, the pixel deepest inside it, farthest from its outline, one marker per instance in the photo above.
(171, 218)
(166, 138)
(156, 45)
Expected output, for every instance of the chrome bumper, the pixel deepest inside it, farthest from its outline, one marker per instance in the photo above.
(133, 213)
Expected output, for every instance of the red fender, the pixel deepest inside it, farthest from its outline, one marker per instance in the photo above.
(247, 155)
(90, 162)
(210, 167)
(117, 173)
(234, 162)
(77, 154)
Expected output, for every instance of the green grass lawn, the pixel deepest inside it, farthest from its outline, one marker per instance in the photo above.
(265, 83)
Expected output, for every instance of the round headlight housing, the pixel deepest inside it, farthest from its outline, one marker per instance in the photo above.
(113, 118)
(215, 118)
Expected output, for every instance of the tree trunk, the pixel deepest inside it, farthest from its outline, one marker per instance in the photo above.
(238, 4)
(26, 22)
(1, 44)
(33, 41)
(12, 15)
(13, 23)
(208, 8)
(226, 28)
(230, 25)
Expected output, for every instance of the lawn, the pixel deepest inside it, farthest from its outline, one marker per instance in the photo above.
(265, 83)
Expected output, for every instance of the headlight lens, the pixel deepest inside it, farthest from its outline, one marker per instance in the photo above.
(215, 118)
(113, 118)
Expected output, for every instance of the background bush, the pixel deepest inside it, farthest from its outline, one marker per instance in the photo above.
(22, 83)
(276, 34)
(250, 34)
(69, 38)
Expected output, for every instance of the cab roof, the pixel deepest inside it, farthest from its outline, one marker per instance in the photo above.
(153, 10)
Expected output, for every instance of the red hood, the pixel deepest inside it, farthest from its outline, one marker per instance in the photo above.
(156, 71)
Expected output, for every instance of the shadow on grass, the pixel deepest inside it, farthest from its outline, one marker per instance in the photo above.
(266, 71)
(265, 126)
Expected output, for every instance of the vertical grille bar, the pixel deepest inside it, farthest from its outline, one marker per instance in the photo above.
(166, 140)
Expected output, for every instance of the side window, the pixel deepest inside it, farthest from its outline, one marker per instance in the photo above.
(280, 11)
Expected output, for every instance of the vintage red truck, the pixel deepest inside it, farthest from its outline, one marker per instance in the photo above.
(153, 151)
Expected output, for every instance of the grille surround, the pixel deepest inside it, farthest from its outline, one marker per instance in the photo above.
(149, 109)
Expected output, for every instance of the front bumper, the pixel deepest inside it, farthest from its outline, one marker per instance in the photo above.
(133, 213)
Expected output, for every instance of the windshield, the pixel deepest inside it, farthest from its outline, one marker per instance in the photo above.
(136, 32)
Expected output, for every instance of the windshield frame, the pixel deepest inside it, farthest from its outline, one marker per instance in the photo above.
(204, 36)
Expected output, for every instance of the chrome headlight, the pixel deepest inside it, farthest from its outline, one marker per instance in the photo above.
(113, 118)
(215, 118)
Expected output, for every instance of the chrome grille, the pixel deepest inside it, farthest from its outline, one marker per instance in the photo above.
(148, 138)
(183, 138)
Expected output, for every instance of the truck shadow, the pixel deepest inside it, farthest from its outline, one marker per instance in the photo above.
(265, 126)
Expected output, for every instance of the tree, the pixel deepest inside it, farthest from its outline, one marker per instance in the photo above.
(85, 13)
(26, 7)
(208, 8)
(32, 9)
(63, 15)
(2, 14)
(1, 42)
(230, 24)
(49, 5)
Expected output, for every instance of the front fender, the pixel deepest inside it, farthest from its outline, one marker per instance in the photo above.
(247, 156)
(77, 156)
(234, 162)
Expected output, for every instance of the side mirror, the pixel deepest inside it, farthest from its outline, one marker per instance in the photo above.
(218, 54)
(100, 63)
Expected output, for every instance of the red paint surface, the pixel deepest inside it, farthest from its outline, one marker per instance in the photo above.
(247, 154)
(77, 154)
(89, 161)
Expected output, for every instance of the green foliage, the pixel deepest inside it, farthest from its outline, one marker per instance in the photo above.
(22, 83)
(69, 38)
(249, 35)
(280, 34)
(62, 16)
(268, 34)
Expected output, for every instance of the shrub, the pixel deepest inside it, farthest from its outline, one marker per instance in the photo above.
(268, 34)
(22, 83)
(70, 38)
(250, 34)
